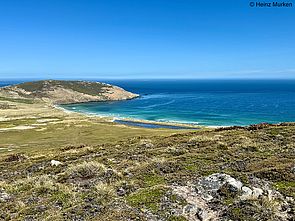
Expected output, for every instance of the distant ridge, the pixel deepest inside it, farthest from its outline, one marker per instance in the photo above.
(66, 92)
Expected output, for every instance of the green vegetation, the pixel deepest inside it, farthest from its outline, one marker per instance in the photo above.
(64, 132)
(177, 218)
(91, 88)
(17, 100)
(86, 170)
(132, 177)
(287, 187)
(17, 122)
(62, 92)
(148, 198)
(153, 179)
(111, 172)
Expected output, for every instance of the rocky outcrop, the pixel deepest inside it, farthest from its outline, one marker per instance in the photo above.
(66, 92)
(222, 197)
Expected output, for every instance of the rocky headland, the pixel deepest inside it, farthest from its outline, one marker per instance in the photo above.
(65, 92)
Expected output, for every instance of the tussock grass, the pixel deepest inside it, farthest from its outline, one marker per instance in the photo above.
(40, 184)
(202, 139)
(126, 181)
(86, 170)
(105, 191)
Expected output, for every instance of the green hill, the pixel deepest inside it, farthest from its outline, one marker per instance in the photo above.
(65, 92)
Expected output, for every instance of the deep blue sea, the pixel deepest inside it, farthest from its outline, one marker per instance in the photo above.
(204, 102)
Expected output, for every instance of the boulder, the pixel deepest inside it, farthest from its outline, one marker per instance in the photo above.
(208, 187)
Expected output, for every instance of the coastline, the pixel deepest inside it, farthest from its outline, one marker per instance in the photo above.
(171, 103)
(135, 122)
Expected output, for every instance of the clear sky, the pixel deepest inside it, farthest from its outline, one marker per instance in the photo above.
(145, 39)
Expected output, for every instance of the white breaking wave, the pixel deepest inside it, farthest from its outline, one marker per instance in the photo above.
(158, 105)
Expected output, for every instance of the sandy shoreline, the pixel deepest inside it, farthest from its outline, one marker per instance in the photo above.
(50, 110)
(132, 121)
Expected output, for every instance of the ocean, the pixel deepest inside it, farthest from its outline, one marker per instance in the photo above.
(200, 102)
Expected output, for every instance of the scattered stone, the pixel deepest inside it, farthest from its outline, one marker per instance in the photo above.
(247, 193)
(146, 143)
(208, 186)
(166, 167)
(4, 197)
(125, 188)
(121, 191)
(257, 192)
(41, 208)
(220, 196)
(197, 208)
(55, 163)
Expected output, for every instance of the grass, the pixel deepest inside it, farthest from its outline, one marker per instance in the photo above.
(114, 172)
(148, 198)
(287, 187)
(97, 178)
(177, 218)
(91, 88)
(17, 122)
(86, 170)
(67, 132)
(17, 100)
(105, 191)
(153, 179)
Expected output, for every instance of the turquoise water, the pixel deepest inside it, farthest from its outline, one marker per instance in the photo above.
(203, 102)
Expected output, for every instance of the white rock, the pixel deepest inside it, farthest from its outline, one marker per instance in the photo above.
(207, 197)
(4, 196)
(247, 193)
(216, 180)
(235, 183)
(257, 192)
(270, 195)
(247, 190)
(55, 163)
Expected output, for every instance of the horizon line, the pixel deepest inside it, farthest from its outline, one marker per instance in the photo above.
(143, 79)
(98, 78)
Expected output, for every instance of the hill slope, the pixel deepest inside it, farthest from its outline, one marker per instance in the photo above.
(66, 92)
(211, 175)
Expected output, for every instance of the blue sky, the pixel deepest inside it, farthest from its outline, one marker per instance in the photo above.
(145, 39)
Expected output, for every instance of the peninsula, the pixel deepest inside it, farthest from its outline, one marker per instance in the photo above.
(66, 92)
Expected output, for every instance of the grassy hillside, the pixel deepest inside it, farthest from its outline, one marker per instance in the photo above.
(91, 88)
(56, 165)
(36, 127)
(64, 92)
(155, 177)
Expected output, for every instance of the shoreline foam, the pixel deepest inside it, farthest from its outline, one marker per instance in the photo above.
(125, 120)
